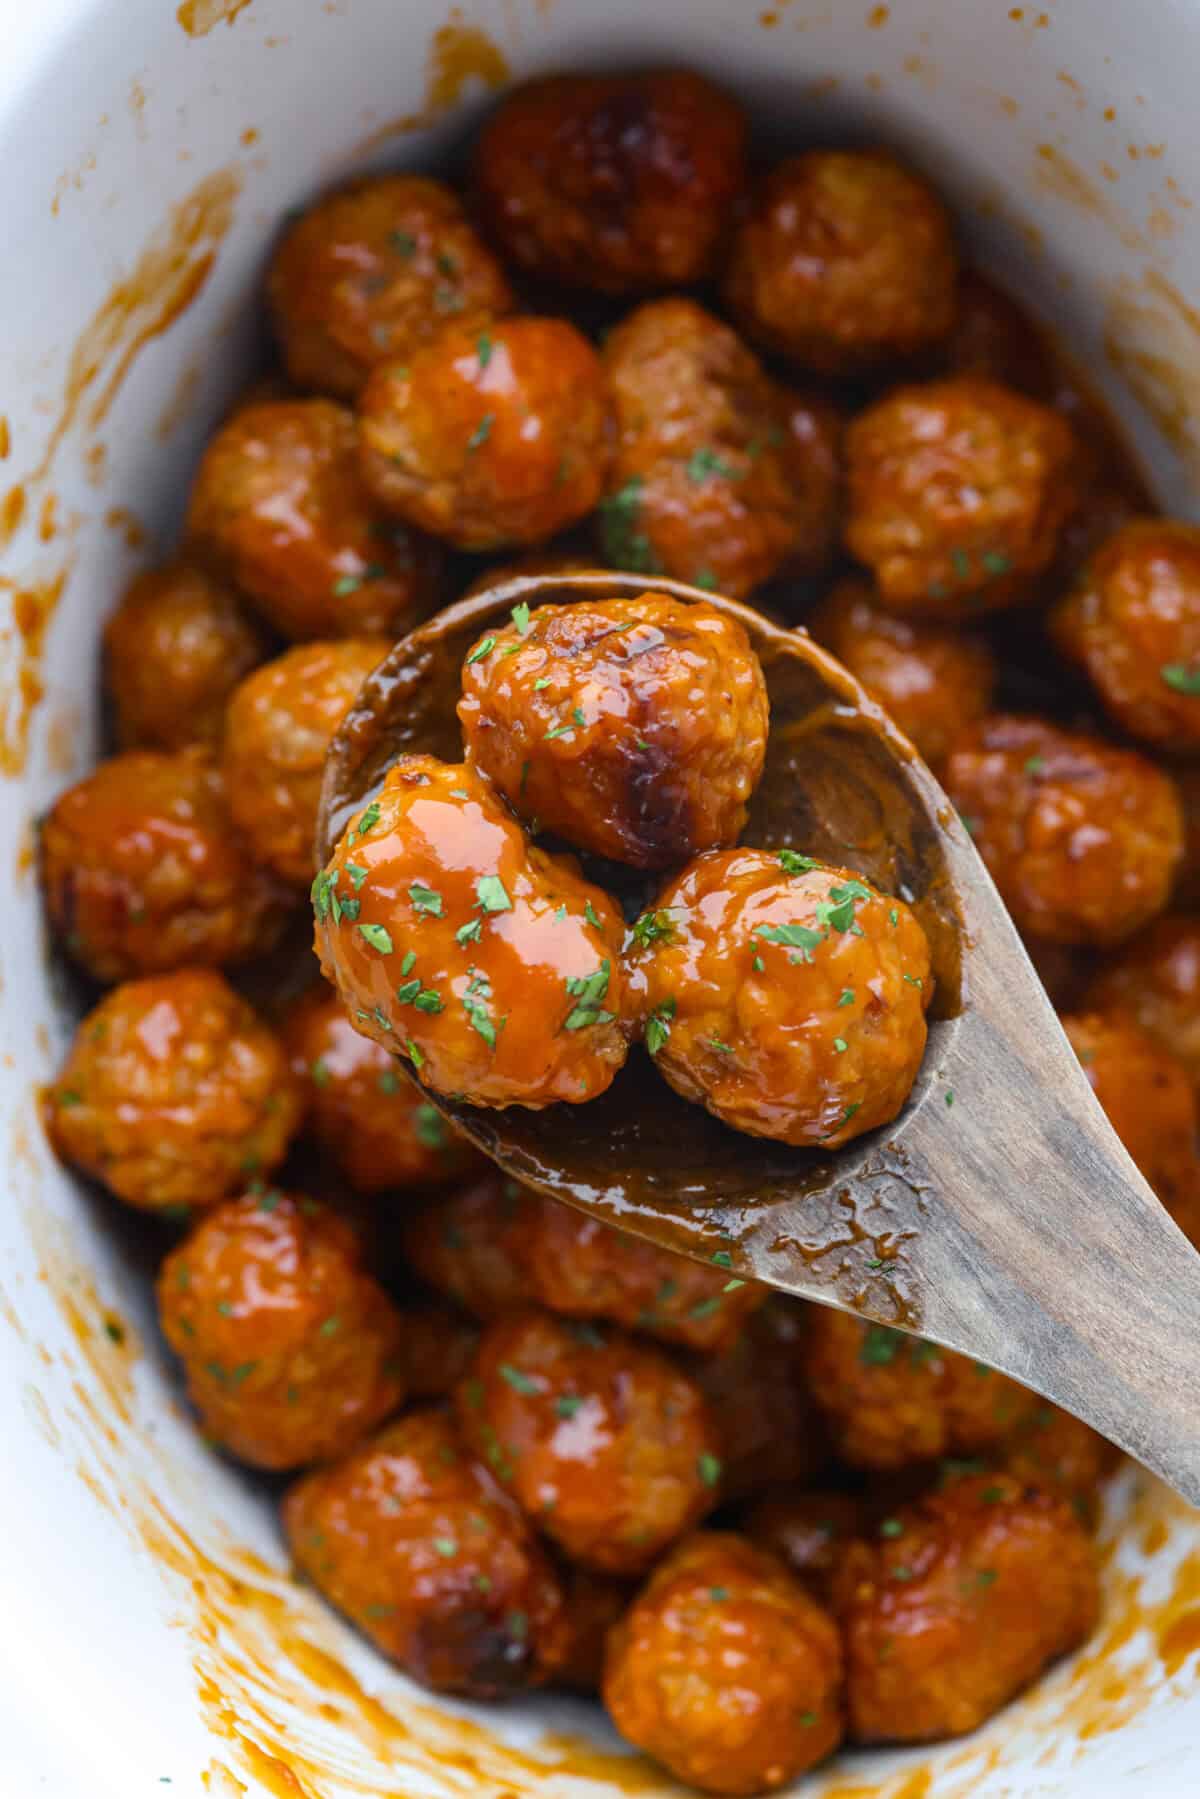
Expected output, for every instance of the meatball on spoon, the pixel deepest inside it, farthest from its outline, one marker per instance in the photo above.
(999, 1214)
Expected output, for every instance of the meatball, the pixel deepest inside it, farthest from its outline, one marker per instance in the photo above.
(489, 437)
(470, 1245)
(143, 870)
(414, 1542)
(173, 1093)
(616, 182)
(937, 1619)
(956, 493)
(373, 271)
(845, 260)
(757, 1392)
(365, 1114)
(174, 650)
(634, 728)
(809, 1530)
(934, 682)
(1156, 981)
(726, 1670)
(599, 1438)
(719, 477)
(1082, 839)
(492, 966)
(787, 997)
(1133, 622)
(594, 1603)
(280, 723)
(278, 504)
(890, 1400)
(1050, 1449)
(440, 1344)
(291, 1350)
(992, 335)
(1147, 1095)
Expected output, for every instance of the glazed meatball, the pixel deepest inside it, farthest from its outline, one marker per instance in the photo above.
(440, 1345)
(726, 1670)
(280, 723)
(489, 437)
(757, 1392)
(363, 1112)
(599, 1438)
(992, 335)
(809, 1530)
(1156, 982)
(373, 271)
(173, 1093)
(787, 997)
(279, 506)
(845, 260)
(174, 650)
(1147, 1095)
(937, 1619)
(470, 1245)
(290, 1349)
(890, 1400)
(634, 728)
(616, 182)
(1133, 622)
(415, 1543)
(144, 871)
(934, 682)
(719, 476)
(594, 1603)
(956, 493)
(493, 967)
(1082, 839)
(1051, 1450)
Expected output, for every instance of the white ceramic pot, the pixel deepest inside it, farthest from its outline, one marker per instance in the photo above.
(152, 1641)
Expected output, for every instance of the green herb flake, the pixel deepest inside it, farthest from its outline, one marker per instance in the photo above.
(481, 650)
(880, 1346)
(331, 1326)
(725, 1049)
(718, 1595)
(758, 965)
(793, 863)
(722, 1258)
(588, 991)
(483, 349)
(624, 544)
(517, 1625)
(705, 578)
(900, 1572)
(708, 1467)
(469, 933)
(995, 562)
(430, 1127)
(705, 462)
(985, 1577)
(415, 1055)
(69, 1096)
(792, 936)
(520, 617)
(482, 431)
(653, 927)
(403, 243)
(840, 1045)
(541, 682)
(1034, 765)
(914, 980)
(847, 997)
(475, 1005)
(567, 1404)
(949, 1096)
(426, 899)
(377, 936)
(1180, 678)
(592, 916)
(519, 1381)
(492, 894)
(891, 1527)
(658, 1025)
(893, 917)
(559, 731)
(389, 1081)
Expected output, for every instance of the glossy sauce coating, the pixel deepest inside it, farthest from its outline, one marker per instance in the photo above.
(808, 1529)
(947, 1619)
(492, 966)
(757, 1391)
(1133, 622)
(615, 182)
(279, 725)
(846, 259)
(291, 1350)
(469, 1245)
(372, 271)
(415, 1543)
(787, 997)
(144, 871)
(1155, 980)
(956, 493)
(1082, 839)
(720, 477)
(362, 1110)
(1147, 1095)
(489, 437)
(173, 1093)
(174, 650)
(600, 1438)
(726, 1670)
(934, 681)
(279, 505)
(634, 728)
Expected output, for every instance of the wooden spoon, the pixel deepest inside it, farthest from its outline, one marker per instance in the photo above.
(999, 1215)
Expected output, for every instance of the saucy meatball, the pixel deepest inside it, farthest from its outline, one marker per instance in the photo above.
(719, 477)
(890, 1400)
(1052, 1451)
(937, 1619)
(600, 1439)
(809, 1530)
(1133, 622)
(726, 1670)
(956, 493)
(470, 1245)
(785, 996)
(757, 1392)
(615, 182)
(491, 966)
(1082, 839)
(1155, 980)
(143, 870)
(373, 271)
(173, 1093)
(278, 504)
(415, 1543)
(280, 723)
(174, 650)
(1147, 1095)
(290, 1349)
(363, 1112)
(935, 682)
(489, 437)
(635, 728)
(846, 259)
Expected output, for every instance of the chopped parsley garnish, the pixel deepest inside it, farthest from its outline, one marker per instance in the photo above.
(426, 899)
(880, 1346)
(901, 1572)
(914, 980)
(1034, 765)
(476, 1003)
(445, 1546)
(331, 1326)
(840, 1045)
(559, 731)
(389, 1081)
(320, 1072)
(891, 1527)
(322, 893)
(367, 822)
(658, 1025)
(893, 916)
(481, 650)
(709, 1469)
(567, 1404)
(374, 571)
(705, 462)
(520, 617)
(758, 965)
(949, 1096)
(995, 562)
(518, 1626)
(793, 863)
(653, 927)
(483, 349)
(718, 1595)
(430, 1127)
(378, 936)
(415, 1055)
(542, 681)
(469, 933)
(588, 992)
(725, 1049)
(69, 1096)
(459, 793)
(985, 1577)
(838, 910)
(792, 936)
(591, 915)
(624, 544)
(357, 874)
(847, 998)
(404, 243)
(722, 1258)
(482, 431)
(492, 894)
(1180, 678)
(705, 578)
(518, 1380)
(410, 957)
